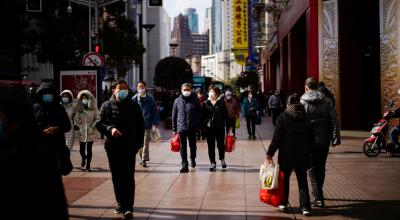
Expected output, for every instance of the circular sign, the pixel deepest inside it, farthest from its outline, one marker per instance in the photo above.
(92, 59)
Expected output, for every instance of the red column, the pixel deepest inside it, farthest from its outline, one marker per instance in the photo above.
(312, 40)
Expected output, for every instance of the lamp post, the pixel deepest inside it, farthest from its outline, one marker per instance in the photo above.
(148, 28)
(173, 46)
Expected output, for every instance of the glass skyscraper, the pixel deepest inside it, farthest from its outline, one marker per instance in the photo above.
(193, 19)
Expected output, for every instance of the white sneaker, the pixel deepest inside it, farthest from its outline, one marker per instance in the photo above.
(282, 208)
(306, 213)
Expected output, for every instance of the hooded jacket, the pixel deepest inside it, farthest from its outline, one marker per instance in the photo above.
(149, 109)
(292, 137)
(321, 115)
(70, 108)
(86, 118)
(186, 113)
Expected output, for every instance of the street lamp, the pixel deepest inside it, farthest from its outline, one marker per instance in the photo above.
(173, 46)
(148, 28)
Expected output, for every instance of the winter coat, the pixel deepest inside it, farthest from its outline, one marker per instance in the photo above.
(249, 108)
(321, 115)
(186, 114)
(292, 137)
(125, 116)
(149, 109)
(232, 107)
(275, 102)
(86, 118)
(215, 116)
(70, 108)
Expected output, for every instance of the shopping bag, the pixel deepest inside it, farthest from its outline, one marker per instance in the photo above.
(175, 145)
(237, 122)
(258, 118)
(230, 142)
(274, 197)
(269, 176)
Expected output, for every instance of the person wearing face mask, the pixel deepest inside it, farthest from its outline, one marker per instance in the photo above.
(86, 118)
(275, 104)
(215, 118)
(249, 110)
(121, 121)
(185, 121)
(151, 118)
(233, 108)
(67, 102)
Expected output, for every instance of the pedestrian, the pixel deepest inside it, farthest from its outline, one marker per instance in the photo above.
(185, 121)
(269, 94)
(201, 133)
(275, 104)
(28, 166)
(261, 102)
(151, 118)
(321, 116)
(121, 121)
(233, 108)
(293, 139)
(67, 102)
(215, 118)
(322, 88)
(86, 118)
(249, 110)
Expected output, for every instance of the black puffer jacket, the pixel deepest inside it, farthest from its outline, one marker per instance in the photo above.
(292, 137)
(321, 115)
(215, 116)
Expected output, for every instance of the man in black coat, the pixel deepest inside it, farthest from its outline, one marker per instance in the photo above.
(123, 125)
(321, 115)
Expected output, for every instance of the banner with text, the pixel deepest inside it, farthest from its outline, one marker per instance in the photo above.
(240, 31)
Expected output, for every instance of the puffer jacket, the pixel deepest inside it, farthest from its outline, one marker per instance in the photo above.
(186, 114)
(321, 115)
(70, 108)
(215, 116)
(149, 109)
(292, 137)
(86, 118)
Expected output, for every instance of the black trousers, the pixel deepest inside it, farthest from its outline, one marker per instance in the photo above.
(301, 174)
(183, 138)
(275, 113)
(251, 125)
(231, 124)
(85, 149)
(319, 156)
(217, 135)
(121, 158)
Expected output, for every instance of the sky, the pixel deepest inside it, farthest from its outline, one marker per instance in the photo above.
(174, 7)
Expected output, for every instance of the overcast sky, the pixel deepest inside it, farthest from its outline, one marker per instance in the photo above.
(174, 7)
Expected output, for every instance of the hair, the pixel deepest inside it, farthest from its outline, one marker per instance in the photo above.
(321, 84)
(199, 91)
(293, 99)
(119, 82)
(216, 89)
(143, 82)
(312, 83)
(186, 85)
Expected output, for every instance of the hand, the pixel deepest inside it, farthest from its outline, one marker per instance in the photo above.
(51, 130)
(115, 133)
(269, 159)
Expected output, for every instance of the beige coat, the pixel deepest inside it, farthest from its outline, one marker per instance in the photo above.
(87, 118)
(70, 109)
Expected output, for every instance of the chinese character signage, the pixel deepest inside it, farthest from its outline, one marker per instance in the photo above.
(240, 30)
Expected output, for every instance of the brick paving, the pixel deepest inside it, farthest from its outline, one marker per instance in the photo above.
(356, 187)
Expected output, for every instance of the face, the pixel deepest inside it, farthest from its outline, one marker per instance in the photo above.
(141, 87)
(186, 90)
(121, 91)
(212, 94)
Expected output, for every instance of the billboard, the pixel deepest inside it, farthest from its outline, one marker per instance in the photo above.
(240, 30)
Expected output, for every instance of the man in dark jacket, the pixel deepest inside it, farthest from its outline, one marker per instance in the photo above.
(321, 115)
(185, 120)
(123, 125)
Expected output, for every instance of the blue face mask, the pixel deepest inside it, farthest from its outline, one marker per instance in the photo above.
(47, 98)
(122, 94)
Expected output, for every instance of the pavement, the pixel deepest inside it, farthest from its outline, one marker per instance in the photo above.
(356, 187)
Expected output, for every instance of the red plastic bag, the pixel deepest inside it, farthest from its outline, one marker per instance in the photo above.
(175, 145)
(229, 142)
(274, 197)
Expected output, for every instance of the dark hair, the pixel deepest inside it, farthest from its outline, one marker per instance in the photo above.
(143, 82)
(216, 89)
(312, 83)
(293, 99)
(186, 85)
(321, 84)
(119, 82)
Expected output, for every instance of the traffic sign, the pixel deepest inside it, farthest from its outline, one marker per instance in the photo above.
(92, 59)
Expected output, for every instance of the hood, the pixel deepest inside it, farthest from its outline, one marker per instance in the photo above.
(67, 92)
(46, 87)
(92, 102)
(312, 97)
(296, 112)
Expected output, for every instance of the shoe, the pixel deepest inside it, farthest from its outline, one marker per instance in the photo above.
(193, 163)
(88, 169)
(144, 164)
(249, 137)
(83, 163)
(318, 203)
(254, 137)
(184, 169)
(306, 212)
(223, 163)
(118, 210)
(282, 208)
(213, 167)
(127, 215)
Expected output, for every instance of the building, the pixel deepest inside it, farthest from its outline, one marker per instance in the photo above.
(193, 19)
(199, 44)
(182, 36)
(208, 27)
(216, 26)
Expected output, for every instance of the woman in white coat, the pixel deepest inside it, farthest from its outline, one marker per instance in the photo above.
(86, 118)
(68, 104)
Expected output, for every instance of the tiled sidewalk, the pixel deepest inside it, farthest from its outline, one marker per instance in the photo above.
(356, 187)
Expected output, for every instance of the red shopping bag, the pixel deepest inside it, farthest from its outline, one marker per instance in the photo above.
(229, 142)
(274, 197)
(175, 145)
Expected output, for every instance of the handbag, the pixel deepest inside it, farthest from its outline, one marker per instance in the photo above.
(230, 142)
(175, 145)
(274, 197)
(237, 122)
(269, 176)
(64, 161)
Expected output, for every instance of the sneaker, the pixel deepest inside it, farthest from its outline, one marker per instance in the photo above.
(249, 137)
(127, 215)
(83, 163)
(193, 163)
(282, 208)
(144, 164)
(88, 169)
(118, 210)
(254, 137)
(306, 212)
(213, 167)
(318, 203)
(184, 169)
(223, 163)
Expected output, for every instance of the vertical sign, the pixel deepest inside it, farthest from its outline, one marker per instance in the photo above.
(240, 30)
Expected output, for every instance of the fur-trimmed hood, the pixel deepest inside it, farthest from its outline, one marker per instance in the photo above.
(68, 93)
(312, 97)
(92, 101)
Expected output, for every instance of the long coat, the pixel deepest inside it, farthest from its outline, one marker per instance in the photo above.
(86, 118)
(70, 108)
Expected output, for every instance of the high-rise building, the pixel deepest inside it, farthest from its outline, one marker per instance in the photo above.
(216, 26)
(182, 36)
(208, 27)
(200, 44)
(165, 34)
(193, 19)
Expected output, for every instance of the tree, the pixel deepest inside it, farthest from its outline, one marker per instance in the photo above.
(249, 78)
(172, 72)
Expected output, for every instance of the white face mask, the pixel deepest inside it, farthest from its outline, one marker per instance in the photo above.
(228, 97)
(211, 95)
(142, 91)
(186, 93)
(85, 101)
(65, 100)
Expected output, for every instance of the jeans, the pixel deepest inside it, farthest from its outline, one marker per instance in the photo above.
(301, 174)
(231, 124)
(319, 155)
(183, 137)
(144, 151)
(251, 125)
(394, 135)
(219, 136)
(83, 148)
